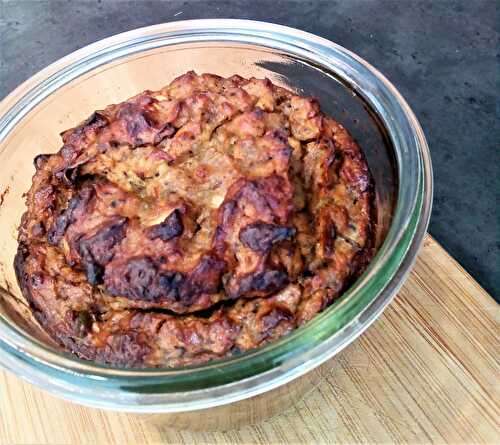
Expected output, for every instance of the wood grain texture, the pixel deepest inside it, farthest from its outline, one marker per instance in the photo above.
(426, 372)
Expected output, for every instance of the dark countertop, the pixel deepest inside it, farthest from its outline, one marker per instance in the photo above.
(442, 56)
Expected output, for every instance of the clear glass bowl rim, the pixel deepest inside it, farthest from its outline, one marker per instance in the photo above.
(229, 380)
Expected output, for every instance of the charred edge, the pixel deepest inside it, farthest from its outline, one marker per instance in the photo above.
(261, 236)
(329, 236)
(126, 348)
(40, 160)
(205, 279)
(140, 279)
(19, 263)
(170, 228)
(135, 126)
(23, 279)
(274, 317)
(138, 121)
(172, 284)
(97, 250)
(71, 175)
(66, 217)
(167, 131)
(95, 121)
(133, 280)
(335, 162)
(256, 284)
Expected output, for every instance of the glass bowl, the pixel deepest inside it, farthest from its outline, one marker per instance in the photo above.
(111, 70)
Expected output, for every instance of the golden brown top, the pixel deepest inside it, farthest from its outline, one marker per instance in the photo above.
(193, 222)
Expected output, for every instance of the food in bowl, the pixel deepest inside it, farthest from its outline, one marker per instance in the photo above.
(193, 223)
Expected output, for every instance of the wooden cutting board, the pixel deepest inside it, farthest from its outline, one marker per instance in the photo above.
(426, 371)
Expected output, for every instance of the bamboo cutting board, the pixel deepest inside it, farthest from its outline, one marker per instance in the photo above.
(426, 371)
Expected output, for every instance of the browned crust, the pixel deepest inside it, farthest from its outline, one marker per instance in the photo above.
(187, 224)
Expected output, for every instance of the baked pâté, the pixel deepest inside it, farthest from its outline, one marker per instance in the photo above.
(193, 223)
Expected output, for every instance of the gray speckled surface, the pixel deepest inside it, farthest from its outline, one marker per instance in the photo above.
(442, 55)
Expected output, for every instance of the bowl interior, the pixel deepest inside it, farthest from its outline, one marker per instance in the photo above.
(38, 131)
